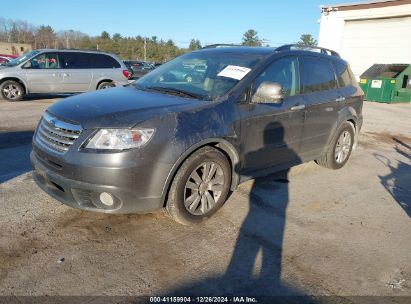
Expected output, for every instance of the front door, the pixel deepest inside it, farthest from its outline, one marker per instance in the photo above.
(43, 73)
(271, 132)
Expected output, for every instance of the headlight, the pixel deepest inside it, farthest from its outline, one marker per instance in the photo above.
(120, 139)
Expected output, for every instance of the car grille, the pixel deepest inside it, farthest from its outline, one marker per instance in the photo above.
(56, 134)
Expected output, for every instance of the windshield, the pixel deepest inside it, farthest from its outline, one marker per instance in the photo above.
(200, 75)
(22, 58)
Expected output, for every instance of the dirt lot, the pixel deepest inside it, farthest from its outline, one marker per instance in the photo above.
(316, 232)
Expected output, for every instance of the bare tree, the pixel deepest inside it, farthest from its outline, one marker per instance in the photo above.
(45, 37)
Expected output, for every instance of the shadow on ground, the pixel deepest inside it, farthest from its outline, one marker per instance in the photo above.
(33, 97)
(398, 181)
(255, 265)
(15, 150)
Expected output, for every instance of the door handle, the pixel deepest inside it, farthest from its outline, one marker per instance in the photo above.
(54, 75)
(66, 74)
(340, 99)
(295, 108)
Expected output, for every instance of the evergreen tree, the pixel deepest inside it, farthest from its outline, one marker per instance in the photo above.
(307, 39)
(250, 38)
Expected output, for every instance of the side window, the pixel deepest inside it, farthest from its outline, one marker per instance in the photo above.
(283, 71)
(317, 74)
(45, 61)
(343, 74)
(102, 61)
(72, 60)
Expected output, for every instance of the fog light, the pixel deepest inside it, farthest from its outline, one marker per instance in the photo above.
(107, 199)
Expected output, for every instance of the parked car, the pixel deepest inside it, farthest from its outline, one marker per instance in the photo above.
(60, 71)
(189, 73)
(138, 68)
(183, 146)
(4, 60)
(186, 74)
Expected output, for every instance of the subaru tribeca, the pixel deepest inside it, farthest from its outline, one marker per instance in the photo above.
(163, 142)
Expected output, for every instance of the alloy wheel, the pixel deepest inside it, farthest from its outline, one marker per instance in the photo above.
(203, 188)
(11, 91)
(343, 147)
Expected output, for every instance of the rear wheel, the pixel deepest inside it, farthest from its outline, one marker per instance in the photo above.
(105, 85)
(340, 149)
(200, 187)
(11, 90)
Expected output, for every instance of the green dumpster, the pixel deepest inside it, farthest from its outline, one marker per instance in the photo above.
(387, 83)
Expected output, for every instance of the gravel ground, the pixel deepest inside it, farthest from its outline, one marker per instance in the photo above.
(312, 232)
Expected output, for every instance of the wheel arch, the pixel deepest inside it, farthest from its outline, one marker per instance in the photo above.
(103, 80)
(222, 145)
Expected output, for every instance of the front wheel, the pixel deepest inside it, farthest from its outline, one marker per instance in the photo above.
(11, 90)
(340, 149)
(200, 187)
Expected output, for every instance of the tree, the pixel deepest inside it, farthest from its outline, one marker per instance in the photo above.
(105, 35)
(45, 37)
(86, 43)
(307, 39)
(250, 38)
(194, 45)
(155, 48)
(117, 36)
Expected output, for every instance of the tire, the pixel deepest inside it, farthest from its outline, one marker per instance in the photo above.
(340, 149)
(105, 85)
(202, 197)
(11, 90)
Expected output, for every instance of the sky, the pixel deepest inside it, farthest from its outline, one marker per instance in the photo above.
(210, 21)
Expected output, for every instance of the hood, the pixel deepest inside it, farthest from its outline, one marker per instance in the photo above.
(117, 107)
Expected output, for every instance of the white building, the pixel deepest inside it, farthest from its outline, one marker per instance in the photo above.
(368, 32)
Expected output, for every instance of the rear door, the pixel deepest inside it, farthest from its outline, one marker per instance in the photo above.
(271, 133)
(43, 73)
(323, 101)
(347, 83)
(350, 91)
(105, 67)
(76, 72)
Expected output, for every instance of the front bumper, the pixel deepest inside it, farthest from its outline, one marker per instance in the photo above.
(135, 189)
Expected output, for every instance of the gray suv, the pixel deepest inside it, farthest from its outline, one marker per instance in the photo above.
(163, 142)
(60, 71)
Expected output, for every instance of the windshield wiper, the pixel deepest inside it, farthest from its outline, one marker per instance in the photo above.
(174, 91)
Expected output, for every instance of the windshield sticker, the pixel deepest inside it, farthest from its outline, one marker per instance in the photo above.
(234, 71)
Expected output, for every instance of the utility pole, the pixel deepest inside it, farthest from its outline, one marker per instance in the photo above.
(145, 49)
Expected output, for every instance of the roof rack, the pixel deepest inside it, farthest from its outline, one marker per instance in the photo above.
(219, 45)
(85, 50)
(289, 47)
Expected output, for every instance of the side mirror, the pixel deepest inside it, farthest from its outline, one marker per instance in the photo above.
(268, 92)
(27, 65)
